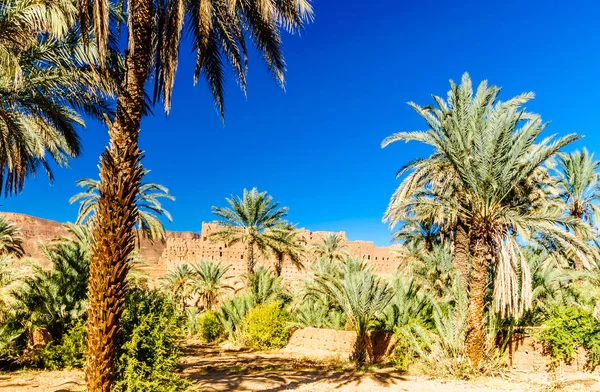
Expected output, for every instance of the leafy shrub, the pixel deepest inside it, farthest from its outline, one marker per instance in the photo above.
(569, 328)
(150, 345)
(68, 353)
(210, 327)
(265, 327)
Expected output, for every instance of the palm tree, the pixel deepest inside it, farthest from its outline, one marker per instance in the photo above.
(576, 178)
(362, 296)
(208, 282)
(179, 283)
(149, 208)
(218, 30)
(250, 220)
(498, 165)
(11, 242)
(331, 248)
(45, 82)
(288, 244)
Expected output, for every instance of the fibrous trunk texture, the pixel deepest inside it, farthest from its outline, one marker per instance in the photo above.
(250, 262)
(279, 265)
(113, 231)
(478, 279)
(461, 253)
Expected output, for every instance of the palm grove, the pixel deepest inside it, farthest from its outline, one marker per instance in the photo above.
(497, 210)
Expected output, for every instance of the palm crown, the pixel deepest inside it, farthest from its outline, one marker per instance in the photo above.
(250, 220)
(149, 207)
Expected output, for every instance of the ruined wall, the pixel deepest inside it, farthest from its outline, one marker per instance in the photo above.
(189, 247)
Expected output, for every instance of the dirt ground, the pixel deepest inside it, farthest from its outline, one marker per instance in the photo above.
(213, 368)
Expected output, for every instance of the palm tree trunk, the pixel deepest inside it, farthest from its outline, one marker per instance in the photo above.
(578, 262)
(475, 334)
(461, 253)
(278, 265)
(250, 263)
(113, 233)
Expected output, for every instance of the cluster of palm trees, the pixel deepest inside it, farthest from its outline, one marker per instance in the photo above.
(59, 60)
(492, 186)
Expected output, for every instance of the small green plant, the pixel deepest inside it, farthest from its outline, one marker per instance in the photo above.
(148, 355)
(69, 353)
(209, 326)
(232, 313)
(265, 327)
(567, 329)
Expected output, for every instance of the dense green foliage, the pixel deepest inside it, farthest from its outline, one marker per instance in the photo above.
(150, 344)
(210, 327)
(69, 352)
(265, 326)
(566, 330)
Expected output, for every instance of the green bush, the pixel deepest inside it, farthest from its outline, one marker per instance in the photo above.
(569, 328)
(147, 359)
(210, 327)
(68, 353)
(265, 327)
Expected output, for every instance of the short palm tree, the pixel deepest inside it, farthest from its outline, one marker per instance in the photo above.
(218, 31)
(497, 161)
(179, 283)
(288, 245)
(250, 219)
(331, 248)
(209, 283)
(149, 207)
(576, 178)
(11, 242)
(362, 296)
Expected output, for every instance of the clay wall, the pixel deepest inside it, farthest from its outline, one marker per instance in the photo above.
(189, 247)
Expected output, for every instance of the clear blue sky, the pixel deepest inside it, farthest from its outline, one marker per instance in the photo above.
(316, 146)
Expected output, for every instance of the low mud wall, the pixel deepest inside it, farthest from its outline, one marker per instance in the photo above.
(321, 343)
(527, 353)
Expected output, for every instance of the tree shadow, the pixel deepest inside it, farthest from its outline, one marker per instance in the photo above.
(215, 369)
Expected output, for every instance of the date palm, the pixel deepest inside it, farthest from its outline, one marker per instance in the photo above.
(332, 247)
(250, 220)
(576, 178)
(179, 283)
(498, 163)
(288, 245)
(209, 283)
(218, 30)
(45, 83)
(149, 207)
(362, 296)
(11, 242)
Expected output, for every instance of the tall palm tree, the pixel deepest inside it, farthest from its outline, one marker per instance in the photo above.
(149, 207)
(288, 245)
(11, 242)
(218, 29)
(209, 283)
(576, 178)
(250, 219)
(497, 161)
(45, 82)
(331, 248)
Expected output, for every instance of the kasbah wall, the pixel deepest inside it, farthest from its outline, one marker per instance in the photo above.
(189, 247)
